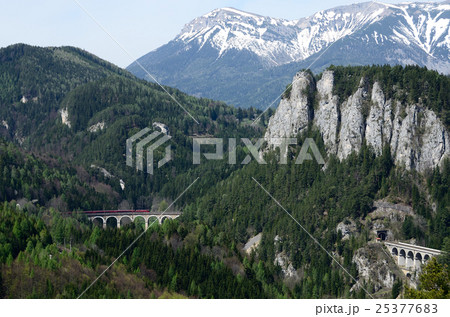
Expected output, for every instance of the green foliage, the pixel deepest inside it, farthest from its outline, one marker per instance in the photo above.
(26, 178)
(438, 186)
(183, 270)
(25, 232)
(434, 282)
(397, 288)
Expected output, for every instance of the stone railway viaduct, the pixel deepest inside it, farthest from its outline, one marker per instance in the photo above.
(410, 257)
(124, 217)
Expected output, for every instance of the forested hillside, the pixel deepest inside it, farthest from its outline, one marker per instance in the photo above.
(65, 116)
(48, 256)
(93, 91)
(319, 200)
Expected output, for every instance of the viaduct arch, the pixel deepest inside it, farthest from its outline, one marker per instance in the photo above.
(124, 217)
(409, 256)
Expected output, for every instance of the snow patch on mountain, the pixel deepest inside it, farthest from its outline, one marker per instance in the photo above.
(279, 41)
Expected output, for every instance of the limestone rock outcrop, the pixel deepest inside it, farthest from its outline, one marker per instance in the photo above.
(327, 115)
(416, 136)
(352, 130)
(294, 113)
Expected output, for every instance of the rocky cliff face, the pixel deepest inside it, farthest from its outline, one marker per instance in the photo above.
(293, 113)
(375, 266)
(416, 136)
(327, 116)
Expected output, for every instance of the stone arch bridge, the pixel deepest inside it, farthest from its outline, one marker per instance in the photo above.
(410, 257)
(124, 217)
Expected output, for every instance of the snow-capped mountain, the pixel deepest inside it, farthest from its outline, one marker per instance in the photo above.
(227, 29)
(233, 50)
(276, 41)
(279, 41)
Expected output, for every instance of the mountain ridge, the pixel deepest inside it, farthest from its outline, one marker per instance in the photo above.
(228, 49)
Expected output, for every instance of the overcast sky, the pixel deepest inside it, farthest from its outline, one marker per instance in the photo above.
(138, 25)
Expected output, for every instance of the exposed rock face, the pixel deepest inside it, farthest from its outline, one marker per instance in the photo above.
(293, 113)
(5, 124)
(109, 175)
(352, 124)
(395, 212)
(435, 142)
(161, 126)
(347, 228)
(287, 268)
(396, 126)
(389, 217)
(252, 243)
(96, 127)
(327, 115)
(65, 117)
(407, 144)
(416, 136)
(104, 171)
(376, 119)
(375, 266)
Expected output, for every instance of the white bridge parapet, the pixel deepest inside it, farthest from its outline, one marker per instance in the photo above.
(409, 256)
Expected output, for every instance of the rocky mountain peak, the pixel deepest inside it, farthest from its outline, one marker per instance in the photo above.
(424, 25)
(252, 57)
